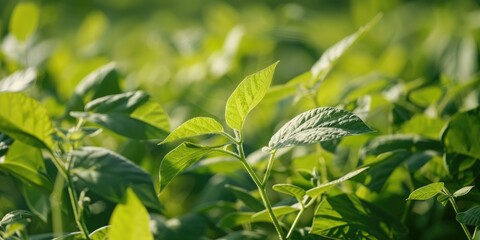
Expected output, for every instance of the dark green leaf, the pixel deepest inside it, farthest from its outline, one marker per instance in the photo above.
(388, 143)
(470, 217)
(426, 192)
(235, 219)
(279, 211)
(461, 134)
(247, 198)
(38, 201)
(18, 81)
(109, 175)
(317, 125)
(195, 127)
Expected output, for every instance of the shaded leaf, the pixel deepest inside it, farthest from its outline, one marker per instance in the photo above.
(24, 20)
(109, 175)
(247, 95)
(411, 143)
(461, 133)
(16, 216)
(247, 198)
(462, 191)
(317, 191)
(470, 217)
(38, 201)
(195, 127)
(317, 125)
(279, 211)
(24, 119)
(241, 235)
(235, 219)
(130, 220)
(426, 192)
(18, 81)
(291, 190)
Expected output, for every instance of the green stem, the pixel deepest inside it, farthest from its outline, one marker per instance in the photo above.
(323, 165)
(475, 233)
(295, 222)
(261, 190)
(76, 209)
(56, 203)
(455, 207)
(269, 167)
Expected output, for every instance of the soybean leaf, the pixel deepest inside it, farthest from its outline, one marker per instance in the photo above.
(348, 217)
(16, 216)
(331, 56)
(317, 125)
(101, 82)
(235, 219)
(38, 201)
(443, 199)
(411, 143)
(291, 190)
(462, 191)
(178, 160)
(461, 133)
(470, 217)
(247, 198)
(100, 233)
(130, 220)
(18, 81)
(426, 192)
(195, 127)
(383, 167)
(24, 119)
(247, 95)
(316, 191)
(24, 20)
(109, 174)
(214, 165)
(279, 211)
(131, 114)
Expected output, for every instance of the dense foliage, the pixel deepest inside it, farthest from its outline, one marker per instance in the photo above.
(124, 119)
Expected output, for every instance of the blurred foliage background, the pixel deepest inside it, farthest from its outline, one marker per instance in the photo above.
(190, 55)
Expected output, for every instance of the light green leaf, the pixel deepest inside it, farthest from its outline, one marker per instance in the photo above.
(317, 125)
(24, 119)
(279, 211)
(470, 217)
(291, 190)
(426, 192)
(24, 20)
(235, 219)
(16, 216)
(100, 233)
(195, 127)
(461, 134)
(178, 160)
(131, 114)
(130, 220)
(462, 191)
(247, 95)
(18, 81)
(109, 175)
(247, 198)
(331, 56)
(317, 191)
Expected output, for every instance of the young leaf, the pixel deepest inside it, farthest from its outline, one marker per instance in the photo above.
(316, 191)
(16, 216)
(24, 119)
(247, 198)
(130, 220)
(462, 191)
(18, 81)
(443, 199)
(247, 95)
(100, 233)
(109, 175)
(426, 192)
(145, 118)
(317, 125)
(178, 160)
(291, 190)
(235, 219)
(24, 20)
(470, 217)
(279, 211)
(195, 127)
(460, 135)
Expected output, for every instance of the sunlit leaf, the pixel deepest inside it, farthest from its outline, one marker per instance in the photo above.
(317, 191)
(426, 192)
(100, 233)
(247, 95)
(317, 125)
(178, 160)
(130, 220)
(24, 119)
(291, 190)
(109, 175)
(24, 20)
(279, 211)
(132, 114)
(246, 197)
(462, 191)
(461, 134)
(18, 81)
(470, 217)
(195, 127)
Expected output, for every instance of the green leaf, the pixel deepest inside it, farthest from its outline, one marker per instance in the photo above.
(461, 133)
(247, 95)
(38, 201)
(348, 217)
(383, 166)
(24, 20)
(109, 175)
(195, 127)
(443, 199)
(291, 190)
(462, 191)
(16, 216)
(130, 220)
(317, 125)
(389, 143)
(178, 160)
(100, 233)
(235, 219)
(145, 118)
(279, 211)
(101, 82)
(317, 191)
(470, 217)
(24, 119)
(245, 196)
(426, 192)
(331, 56)
(18, 81)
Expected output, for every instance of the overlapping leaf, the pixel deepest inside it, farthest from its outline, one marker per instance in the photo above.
(195, 127)
(291, 190)
(316, 191)
(18, 81)
(470, 217)
(461, 134)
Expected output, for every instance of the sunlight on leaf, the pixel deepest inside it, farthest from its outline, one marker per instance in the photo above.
(195, 127)
(426, 192)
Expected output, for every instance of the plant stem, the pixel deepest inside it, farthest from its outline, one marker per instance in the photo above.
(76, 209)
(261, 190)
(323, 165)
(455, 207)
(269, 167)
(56, 202)
(295, 222)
